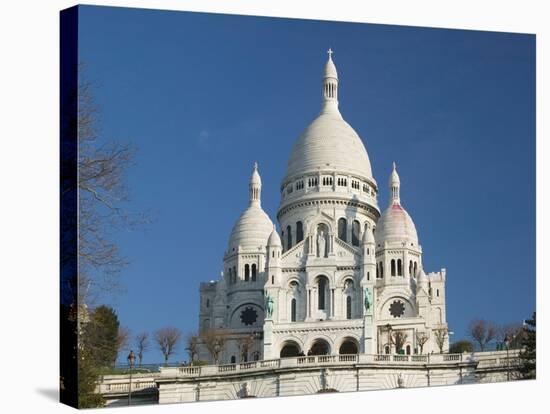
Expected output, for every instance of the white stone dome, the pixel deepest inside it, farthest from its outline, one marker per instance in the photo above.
(254, 226)
(329, 142)
(251, 230)
(395, 225)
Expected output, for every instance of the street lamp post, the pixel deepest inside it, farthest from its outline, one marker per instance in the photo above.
(389, 328)
(131, 359)
(507, 343)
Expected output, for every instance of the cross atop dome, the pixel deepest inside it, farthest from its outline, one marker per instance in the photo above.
(330, 52)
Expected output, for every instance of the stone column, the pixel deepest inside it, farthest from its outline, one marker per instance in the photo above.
(269, 351)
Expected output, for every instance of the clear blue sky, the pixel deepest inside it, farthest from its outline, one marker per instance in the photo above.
(203, 96)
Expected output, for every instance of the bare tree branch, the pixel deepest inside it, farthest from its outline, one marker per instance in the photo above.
(167, 339)
(142, 345)
(440, 336)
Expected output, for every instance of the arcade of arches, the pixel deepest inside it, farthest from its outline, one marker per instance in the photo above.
(291, 349)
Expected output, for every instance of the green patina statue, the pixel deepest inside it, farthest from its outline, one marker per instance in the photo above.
(368, 299)
(269, 304)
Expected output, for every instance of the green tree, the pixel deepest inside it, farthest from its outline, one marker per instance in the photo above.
(461, 346)
(528, 355)
(88, 375)
(100, 335)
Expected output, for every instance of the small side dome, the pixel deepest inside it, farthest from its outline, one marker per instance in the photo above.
(395, 224)
(274, 239)
(254, 226)
(251, 230)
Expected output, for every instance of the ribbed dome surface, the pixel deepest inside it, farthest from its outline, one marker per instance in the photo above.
(395, 225)
(329, 142)
(251, 230)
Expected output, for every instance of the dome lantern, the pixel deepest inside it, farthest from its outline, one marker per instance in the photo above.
(395, 184)
(330, 87)
(255, 186)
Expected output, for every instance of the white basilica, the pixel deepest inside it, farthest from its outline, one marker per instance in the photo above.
(339, 278)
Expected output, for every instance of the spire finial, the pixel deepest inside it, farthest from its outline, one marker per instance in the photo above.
(330, 87)
(255, 186)
(395, 184)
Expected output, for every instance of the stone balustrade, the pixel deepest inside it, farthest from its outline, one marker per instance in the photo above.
(370, 372)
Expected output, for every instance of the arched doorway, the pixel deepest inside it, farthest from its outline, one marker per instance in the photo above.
(290, 349)
(319, 347)
(348, 347)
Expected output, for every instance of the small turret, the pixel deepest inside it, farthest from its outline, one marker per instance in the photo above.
(369, 260)
(274, 251)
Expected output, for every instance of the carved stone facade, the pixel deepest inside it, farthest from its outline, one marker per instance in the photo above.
(340, 277)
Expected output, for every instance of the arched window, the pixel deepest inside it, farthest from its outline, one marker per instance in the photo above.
(348, 347)
(410, 267)
(235, 273)
(437, 292)
(355, 233)
(299, 232)
(408, 349)
(368, 275)
(293, 310)
(393, 267)
(387, 349)
(399, 268)
(233, 359)
(414, 269)
(343, 229)
(208, 302)
(272, 279)
(246, 272)
(254, 272)
(381, 270)
(321, 288)
(289, 237)
(377, 272)
(348, 307)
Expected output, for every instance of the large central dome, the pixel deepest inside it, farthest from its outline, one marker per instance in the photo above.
(329, 142)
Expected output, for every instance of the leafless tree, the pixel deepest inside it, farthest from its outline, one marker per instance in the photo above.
(167, 339)
(192, 347)
(245, 345)
(399, 339)
(122, 340)
(142, 345)
(214, 340)
(482, 332)
(510, 335)
(102, 193)
(421, 339)
(440, 335)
